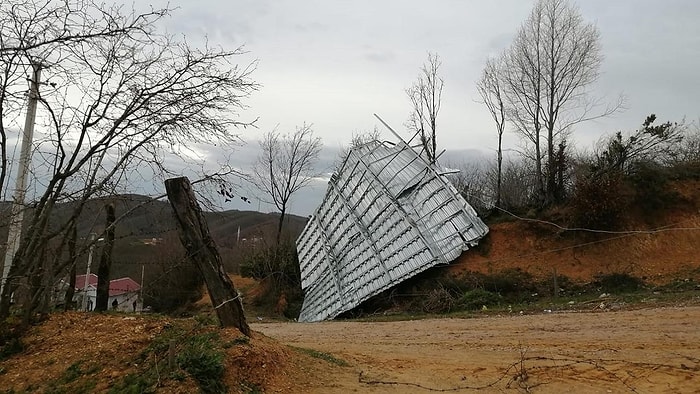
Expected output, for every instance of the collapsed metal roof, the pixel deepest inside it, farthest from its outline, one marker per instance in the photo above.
(387, 215)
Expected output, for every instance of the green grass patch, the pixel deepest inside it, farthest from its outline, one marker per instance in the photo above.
(242, 340)
(203, 359)
(180, 351)
(323, 356)
(77, 378)
(135, 383)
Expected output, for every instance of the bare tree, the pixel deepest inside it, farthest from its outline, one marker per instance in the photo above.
(491, 92)
(285, 165)
(118, 96)
(72, 235)
(426, 95)
(105, 265)
(548, 69)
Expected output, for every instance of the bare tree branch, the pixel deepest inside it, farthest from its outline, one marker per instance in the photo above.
(426, 96)
(491, 91)
(286, 165)
(547, 72)
(118, 95)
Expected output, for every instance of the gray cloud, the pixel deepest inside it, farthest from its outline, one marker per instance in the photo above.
(334, 64)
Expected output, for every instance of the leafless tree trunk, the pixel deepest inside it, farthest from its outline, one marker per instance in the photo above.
(118, 94)
(552, 62)
(491, 92)
(105, 266)
(522, 76)
(286, 164)
(201, 250)
(72, 257)
(426, 95)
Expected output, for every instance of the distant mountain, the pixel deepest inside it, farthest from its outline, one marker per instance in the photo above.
(146, 234)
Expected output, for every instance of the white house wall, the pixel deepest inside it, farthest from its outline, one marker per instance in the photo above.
(125, 301)
(387, 216)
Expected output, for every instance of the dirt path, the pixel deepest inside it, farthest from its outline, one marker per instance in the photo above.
(650, 350)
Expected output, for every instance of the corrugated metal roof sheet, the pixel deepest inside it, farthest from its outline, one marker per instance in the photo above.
(387, 216)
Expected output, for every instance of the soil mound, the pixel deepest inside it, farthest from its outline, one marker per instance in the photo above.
(85, 352)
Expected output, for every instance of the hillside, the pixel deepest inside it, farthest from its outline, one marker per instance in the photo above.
(141, 217)
(146, 236)
(657, 247)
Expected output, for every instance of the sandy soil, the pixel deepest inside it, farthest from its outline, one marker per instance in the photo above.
(648, 350)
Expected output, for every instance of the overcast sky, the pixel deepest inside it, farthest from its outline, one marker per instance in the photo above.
(335, 63)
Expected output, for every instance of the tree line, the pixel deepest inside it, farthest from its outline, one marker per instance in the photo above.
(540, 87)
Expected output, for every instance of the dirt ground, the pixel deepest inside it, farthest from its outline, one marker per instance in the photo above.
(587, 350)
(645, 350)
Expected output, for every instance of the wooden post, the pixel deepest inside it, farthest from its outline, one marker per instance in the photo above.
(556, 283)
(201, 250)
(171, 355)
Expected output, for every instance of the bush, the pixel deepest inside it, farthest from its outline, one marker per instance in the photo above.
(513, 283)
(278, 261)
(277, 268)
(599, 201)
(10, 338)
(175, 287)
(200, 355)
(478, 298)
(650, 183)
(11, 346)
(438, 301)
(619, 283)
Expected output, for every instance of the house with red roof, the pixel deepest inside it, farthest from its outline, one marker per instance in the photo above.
(124, 293)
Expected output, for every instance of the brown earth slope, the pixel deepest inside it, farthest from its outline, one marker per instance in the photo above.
(656, 251)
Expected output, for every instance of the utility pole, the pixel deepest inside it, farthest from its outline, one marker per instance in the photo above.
(143, 271)
(14, 233)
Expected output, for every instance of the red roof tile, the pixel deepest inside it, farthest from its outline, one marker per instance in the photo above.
(116, 286)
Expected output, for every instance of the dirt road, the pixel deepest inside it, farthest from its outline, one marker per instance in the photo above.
(648, 350)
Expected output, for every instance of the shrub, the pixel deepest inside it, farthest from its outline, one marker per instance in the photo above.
(619, 283)
(477, 298)
(438, 301)
(10, 347)
(279, 261)
(511, 282)
(10, 338)
(134, 383)
(599, 201)
(176, 285)
(277, 267)
(650, 183)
